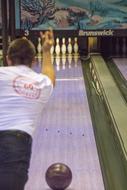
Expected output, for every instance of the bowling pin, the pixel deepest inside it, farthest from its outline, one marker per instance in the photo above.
(57, 48)
(39, 46)
(69, 47)
(76, 45)
(63, 47)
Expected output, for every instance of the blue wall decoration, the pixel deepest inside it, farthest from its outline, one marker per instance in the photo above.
(71, 14)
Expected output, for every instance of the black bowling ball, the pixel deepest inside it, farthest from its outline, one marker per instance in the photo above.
(58, 176)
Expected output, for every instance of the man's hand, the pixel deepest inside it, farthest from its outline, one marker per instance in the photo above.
(47, 40)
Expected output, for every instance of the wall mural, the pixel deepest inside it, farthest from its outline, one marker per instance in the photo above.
(73, 14)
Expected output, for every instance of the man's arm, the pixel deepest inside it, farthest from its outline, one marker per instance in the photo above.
(47, 67)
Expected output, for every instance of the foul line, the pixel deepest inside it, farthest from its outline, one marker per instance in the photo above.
(70, 79)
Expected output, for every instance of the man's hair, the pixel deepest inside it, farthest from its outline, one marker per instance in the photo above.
(21, 51)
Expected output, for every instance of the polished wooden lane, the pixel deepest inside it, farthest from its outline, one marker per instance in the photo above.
(121, 64)
(66, 134)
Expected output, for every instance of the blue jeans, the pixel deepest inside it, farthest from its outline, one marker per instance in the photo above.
(15, 152)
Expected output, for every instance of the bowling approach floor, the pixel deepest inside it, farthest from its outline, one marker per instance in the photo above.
(66, 133)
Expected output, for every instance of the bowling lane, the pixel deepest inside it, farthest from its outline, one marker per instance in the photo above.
(118, 68)
(121, 64)
(65, 133)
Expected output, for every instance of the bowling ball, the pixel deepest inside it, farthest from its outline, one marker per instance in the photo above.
(58, 176)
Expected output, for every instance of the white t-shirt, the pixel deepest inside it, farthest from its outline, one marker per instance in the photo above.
(23, 94)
